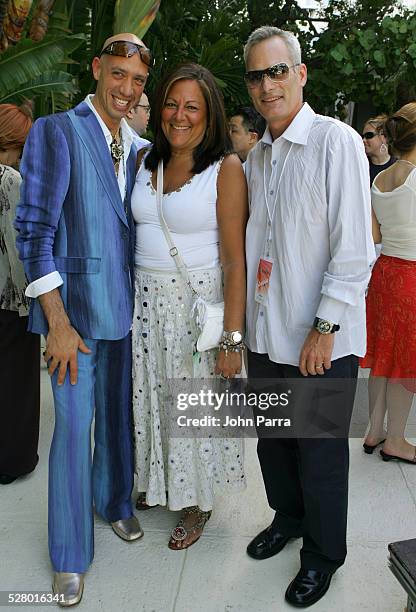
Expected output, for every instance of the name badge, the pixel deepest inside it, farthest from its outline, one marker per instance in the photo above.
(264, 272)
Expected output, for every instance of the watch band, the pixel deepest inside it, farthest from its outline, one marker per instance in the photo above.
(325, 327)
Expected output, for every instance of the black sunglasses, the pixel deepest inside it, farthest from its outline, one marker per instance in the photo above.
(369, 135)
(125, 48)
(276, 74)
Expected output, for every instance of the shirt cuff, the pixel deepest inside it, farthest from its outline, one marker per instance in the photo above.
(331, 310)
(44, 284)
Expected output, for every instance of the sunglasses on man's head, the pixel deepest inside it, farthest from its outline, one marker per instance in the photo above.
(276, 74)
(124, 48)
(369, 135)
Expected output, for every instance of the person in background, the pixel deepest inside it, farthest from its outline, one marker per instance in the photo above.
(375, 146)
(138, 119)
(246, 128)
(391, 299)
(19, 349)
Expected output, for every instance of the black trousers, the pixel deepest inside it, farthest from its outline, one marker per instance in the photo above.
(19, 395)
(306, 479)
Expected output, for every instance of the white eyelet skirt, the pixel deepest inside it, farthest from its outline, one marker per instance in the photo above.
(190, 469)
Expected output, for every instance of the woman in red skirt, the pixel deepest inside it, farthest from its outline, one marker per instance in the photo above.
(391, 300)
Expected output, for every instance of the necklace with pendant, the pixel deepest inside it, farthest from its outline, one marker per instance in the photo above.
(117, 151)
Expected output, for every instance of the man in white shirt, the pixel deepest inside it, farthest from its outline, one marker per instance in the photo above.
(138, 120)
(309, 251)
(76, 240)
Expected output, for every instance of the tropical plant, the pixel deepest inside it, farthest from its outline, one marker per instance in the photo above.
(38, 70)
(56, 70)
(134, 17)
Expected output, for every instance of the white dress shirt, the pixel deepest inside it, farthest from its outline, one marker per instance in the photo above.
(138, 140)
(315, 181)
(54, 279)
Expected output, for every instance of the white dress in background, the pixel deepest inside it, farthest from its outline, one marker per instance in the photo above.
(191, 469)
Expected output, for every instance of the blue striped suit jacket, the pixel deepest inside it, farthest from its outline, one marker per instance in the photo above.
(71, 218)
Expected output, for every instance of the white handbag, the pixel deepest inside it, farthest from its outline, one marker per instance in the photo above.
(208, 317)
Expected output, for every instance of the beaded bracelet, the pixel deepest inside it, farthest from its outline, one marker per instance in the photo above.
(230, 347)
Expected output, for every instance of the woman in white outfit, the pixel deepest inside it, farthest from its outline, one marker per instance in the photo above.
(205, 208)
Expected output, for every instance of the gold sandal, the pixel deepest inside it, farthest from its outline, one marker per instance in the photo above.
(180, 532)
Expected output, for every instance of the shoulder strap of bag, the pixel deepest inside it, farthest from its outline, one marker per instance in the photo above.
(173, 251)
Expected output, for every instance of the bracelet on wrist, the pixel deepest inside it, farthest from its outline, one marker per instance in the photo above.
(229, 347)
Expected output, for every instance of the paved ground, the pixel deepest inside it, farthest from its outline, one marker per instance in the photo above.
(215, 575)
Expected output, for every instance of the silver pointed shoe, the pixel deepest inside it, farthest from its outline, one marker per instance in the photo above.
(128, 529)
(69, 587)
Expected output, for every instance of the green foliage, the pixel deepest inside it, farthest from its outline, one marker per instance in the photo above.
(20, 65)
(49, 83)
(355, 51)
(203, 33)
(135, 16)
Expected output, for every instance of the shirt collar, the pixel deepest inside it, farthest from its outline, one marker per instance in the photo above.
(125, 129)
(298, 130)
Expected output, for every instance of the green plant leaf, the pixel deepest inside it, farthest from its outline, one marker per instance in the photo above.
(135, 16)
(45, 85)
(29, 59)
(412, 50)
(379, 57)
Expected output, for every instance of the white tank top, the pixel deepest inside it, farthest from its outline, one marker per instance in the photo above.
(396, 212)
(191, 215)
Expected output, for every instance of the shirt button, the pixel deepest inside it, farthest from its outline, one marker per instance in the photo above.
(274, 162)
(261, 313)
(126, 268)
(271, 192)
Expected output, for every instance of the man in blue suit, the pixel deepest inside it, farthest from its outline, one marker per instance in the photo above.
(76, 240)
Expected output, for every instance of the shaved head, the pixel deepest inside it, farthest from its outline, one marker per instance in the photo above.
(127, 36)
(120, 80)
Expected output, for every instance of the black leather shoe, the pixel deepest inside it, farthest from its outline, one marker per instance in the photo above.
(267, 543)
(5, 479)
(307, 588)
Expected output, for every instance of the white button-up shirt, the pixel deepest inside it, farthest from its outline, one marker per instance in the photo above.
(314, 182)
(54, 279)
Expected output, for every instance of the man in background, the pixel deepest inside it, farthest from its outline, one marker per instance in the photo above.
(138, 119)
(246, 129)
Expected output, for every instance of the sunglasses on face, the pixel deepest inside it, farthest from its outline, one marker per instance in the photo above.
(276, 74)
(369, 135)
(124, 48)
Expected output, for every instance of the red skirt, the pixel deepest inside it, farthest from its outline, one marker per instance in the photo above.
(391, 321)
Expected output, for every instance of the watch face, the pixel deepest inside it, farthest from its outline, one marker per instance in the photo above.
(236, 337)
(324, 327)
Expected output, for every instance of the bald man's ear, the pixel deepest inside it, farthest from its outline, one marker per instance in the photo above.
(96, 68)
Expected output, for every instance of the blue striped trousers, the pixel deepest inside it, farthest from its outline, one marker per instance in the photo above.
(78, 478)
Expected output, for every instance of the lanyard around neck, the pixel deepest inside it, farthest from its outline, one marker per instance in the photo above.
(271, 213)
